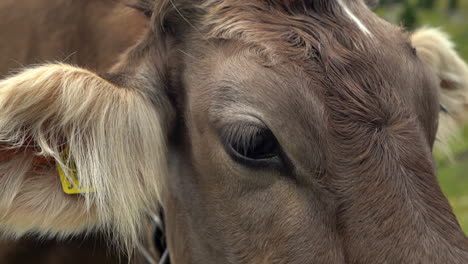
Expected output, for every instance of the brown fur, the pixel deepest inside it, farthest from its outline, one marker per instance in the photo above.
(89, 33)
(78, 251)
(353, 109)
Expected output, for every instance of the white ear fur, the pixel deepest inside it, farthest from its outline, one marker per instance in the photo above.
(435, 48)
(114, 135)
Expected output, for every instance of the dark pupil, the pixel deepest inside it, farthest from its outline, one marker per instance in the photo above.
(261, 145)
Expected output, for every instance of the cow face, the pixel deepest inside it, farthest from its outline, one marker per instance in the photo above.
(270, 131)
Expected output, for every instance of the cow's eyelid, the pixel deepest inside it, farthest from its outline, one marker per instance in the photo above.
(252, 146)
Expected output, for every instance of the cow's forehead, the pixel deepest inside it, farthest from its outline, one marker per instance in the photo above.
(236, 11)
(339, 47)
(336, 41)
(300, 32)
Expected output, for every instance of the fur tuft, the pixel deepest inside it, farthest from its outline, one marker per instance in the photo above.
(436, 49)
(114, 136)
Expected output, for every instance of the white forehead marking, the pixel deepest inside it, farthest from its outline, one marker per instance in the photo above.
(354, 18)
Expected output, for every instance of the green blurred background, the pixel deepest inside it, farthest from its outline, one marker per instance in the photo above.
(452, 17)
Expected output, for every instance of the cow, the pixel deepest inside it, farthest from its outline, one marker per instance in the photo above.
(272, 131)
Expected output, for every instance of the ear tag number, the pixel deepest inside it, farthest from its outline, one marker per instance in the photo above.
(74, 186)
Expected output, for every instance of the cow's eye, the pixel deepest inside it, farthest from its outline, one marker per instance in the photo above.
(253, 146)
(260, 145)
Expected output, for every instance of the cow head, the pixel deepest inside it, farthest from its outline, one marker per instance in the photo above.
(270, 131)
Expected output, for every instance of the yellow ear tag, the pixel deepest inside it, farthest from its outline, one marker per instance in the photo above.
(69, 187)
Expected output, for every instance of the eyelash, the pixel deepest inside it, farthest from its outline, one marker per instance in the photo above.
(241, 133)
(239, 138)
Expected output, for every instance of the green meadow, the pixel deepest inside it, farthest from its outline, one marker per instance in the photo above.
(453, 172)
(453, 176)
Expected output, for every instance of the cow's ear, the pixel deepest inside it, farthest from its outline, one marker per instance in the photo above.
(101, 137)
(84, 152)
(435, 48)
